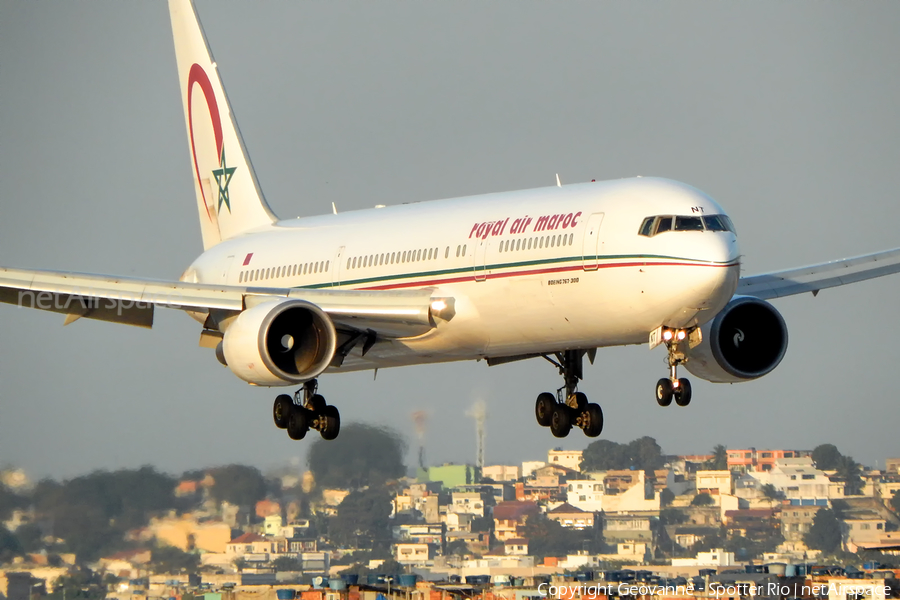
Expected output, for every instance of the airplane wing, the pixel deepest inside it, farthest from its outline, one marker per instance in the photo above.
(818, 277)
(131, 301)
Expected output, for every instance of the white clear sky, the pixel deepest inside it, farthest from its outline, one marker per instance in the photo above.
(787, 114)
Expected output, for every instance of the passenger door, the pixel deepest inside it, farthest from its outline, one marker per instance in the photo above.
(590, 247)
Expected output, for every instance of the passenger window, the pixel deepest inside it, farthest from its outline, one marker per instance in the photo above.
(571, 238)
(464, 250)
(688, 224)
(447, 252)
(665, 224)
(327, 264)
(647, 226)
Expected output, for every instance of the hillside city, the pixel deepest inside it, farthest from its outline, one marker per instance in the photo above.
(359, 522)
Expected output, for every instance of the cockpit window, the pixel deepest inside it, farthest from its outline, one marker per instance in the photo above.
(647, 226)
(688, 224)
(654, 225)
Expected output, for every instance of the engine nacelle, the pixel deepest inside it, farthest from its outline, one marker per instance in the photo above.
(280, 342)
(746, 340)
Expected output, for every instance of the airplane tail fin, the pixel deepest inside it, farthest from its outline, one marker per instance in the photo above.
(229, 198)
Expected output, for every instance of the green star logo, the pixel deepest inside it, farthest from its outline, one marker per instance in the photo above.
(223, 177)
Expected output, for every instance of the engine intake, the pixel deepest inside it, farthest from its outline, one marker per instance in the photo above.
(280, 342)
(746, 340)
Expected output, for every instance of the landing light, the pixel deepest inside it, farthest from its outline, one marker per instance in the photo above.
(667, 334)
(438, 305)
(681, 334)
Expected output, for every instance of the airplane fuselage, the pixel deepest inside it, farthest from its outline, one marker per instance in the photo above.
(531, 271)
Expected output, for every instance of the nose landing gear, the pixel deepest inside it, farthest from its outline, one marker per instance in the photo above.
(306, 410)
(669, 388)
(568, 408)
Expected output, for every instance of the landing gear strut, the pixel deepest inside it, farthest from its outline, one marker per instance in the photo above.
(306, 410)
(671, 387)
(569, 407)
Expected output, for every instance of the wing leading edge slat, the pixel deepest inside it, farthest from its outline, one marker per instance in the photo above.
(819, 277)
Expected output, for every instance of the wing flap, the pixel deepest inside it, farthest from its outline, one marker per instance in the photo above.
(819, 277)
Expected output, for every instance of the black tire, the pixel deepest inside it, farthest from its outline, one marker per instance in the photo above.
(543, 408)
(298, 423)
(594, 425)
(281, 411)
(332, 422)
(561, 421)
(683, 393)
(580, 401)
(316, 404)
(664, 391)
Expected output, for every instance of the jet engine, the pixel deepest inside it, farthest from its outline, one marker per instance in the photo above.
(746, 340)
(279, 342)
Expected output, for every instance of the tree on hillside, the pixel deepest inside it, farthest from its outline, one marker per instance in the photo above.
(719, 460)
(643, 454)
(9, 545)
(169, 559)
(238, 484)
(92, 512)
(547, 537)
(362, 456)
(826, 457)
(703, 499)
(771, 492)
(850, 472)
(895, 502)
(9, 501)
(825, 533)
(666, 497)
(286, 563)
(362, 518)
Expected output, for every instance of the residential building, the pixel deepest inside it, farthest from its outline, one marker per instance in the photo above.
(798, 478)
(251, 546)
(187, 533)
(586, 494)
(714, 558)
(450, 475)
(796, 520)
(510, 517)
(571, 517)
(267, 508)
(628, 528)
(714, 483)
(515, 547)
(529, 467)
(468, 503)
(628, 492)
(410, 553)
(272, 525)
(420, 533)
(567, 458)
(751, 459)
(753, 523)
(688, 535)
(457, 522)
(502, 472)
(501, 491)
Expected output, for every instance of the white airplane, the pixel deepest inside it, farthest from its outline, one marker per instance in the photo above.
(555, 272)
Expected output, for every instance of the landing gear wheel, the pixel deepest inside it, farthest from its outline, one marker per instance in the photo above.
(664, 391)
(282, 410)
(580, 401)
(331, 422)
(316, 403)
(683, 392)
(297, 424)
(594, 417)
(543, 408)
(560, 421)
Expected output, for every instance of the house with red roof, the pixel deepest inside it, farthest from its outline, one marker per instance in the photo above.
(510, 517)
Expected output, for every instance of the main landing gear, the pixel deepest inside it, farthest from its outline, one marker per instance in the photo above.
(306, 410)
(569, 407)
(671, 387)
